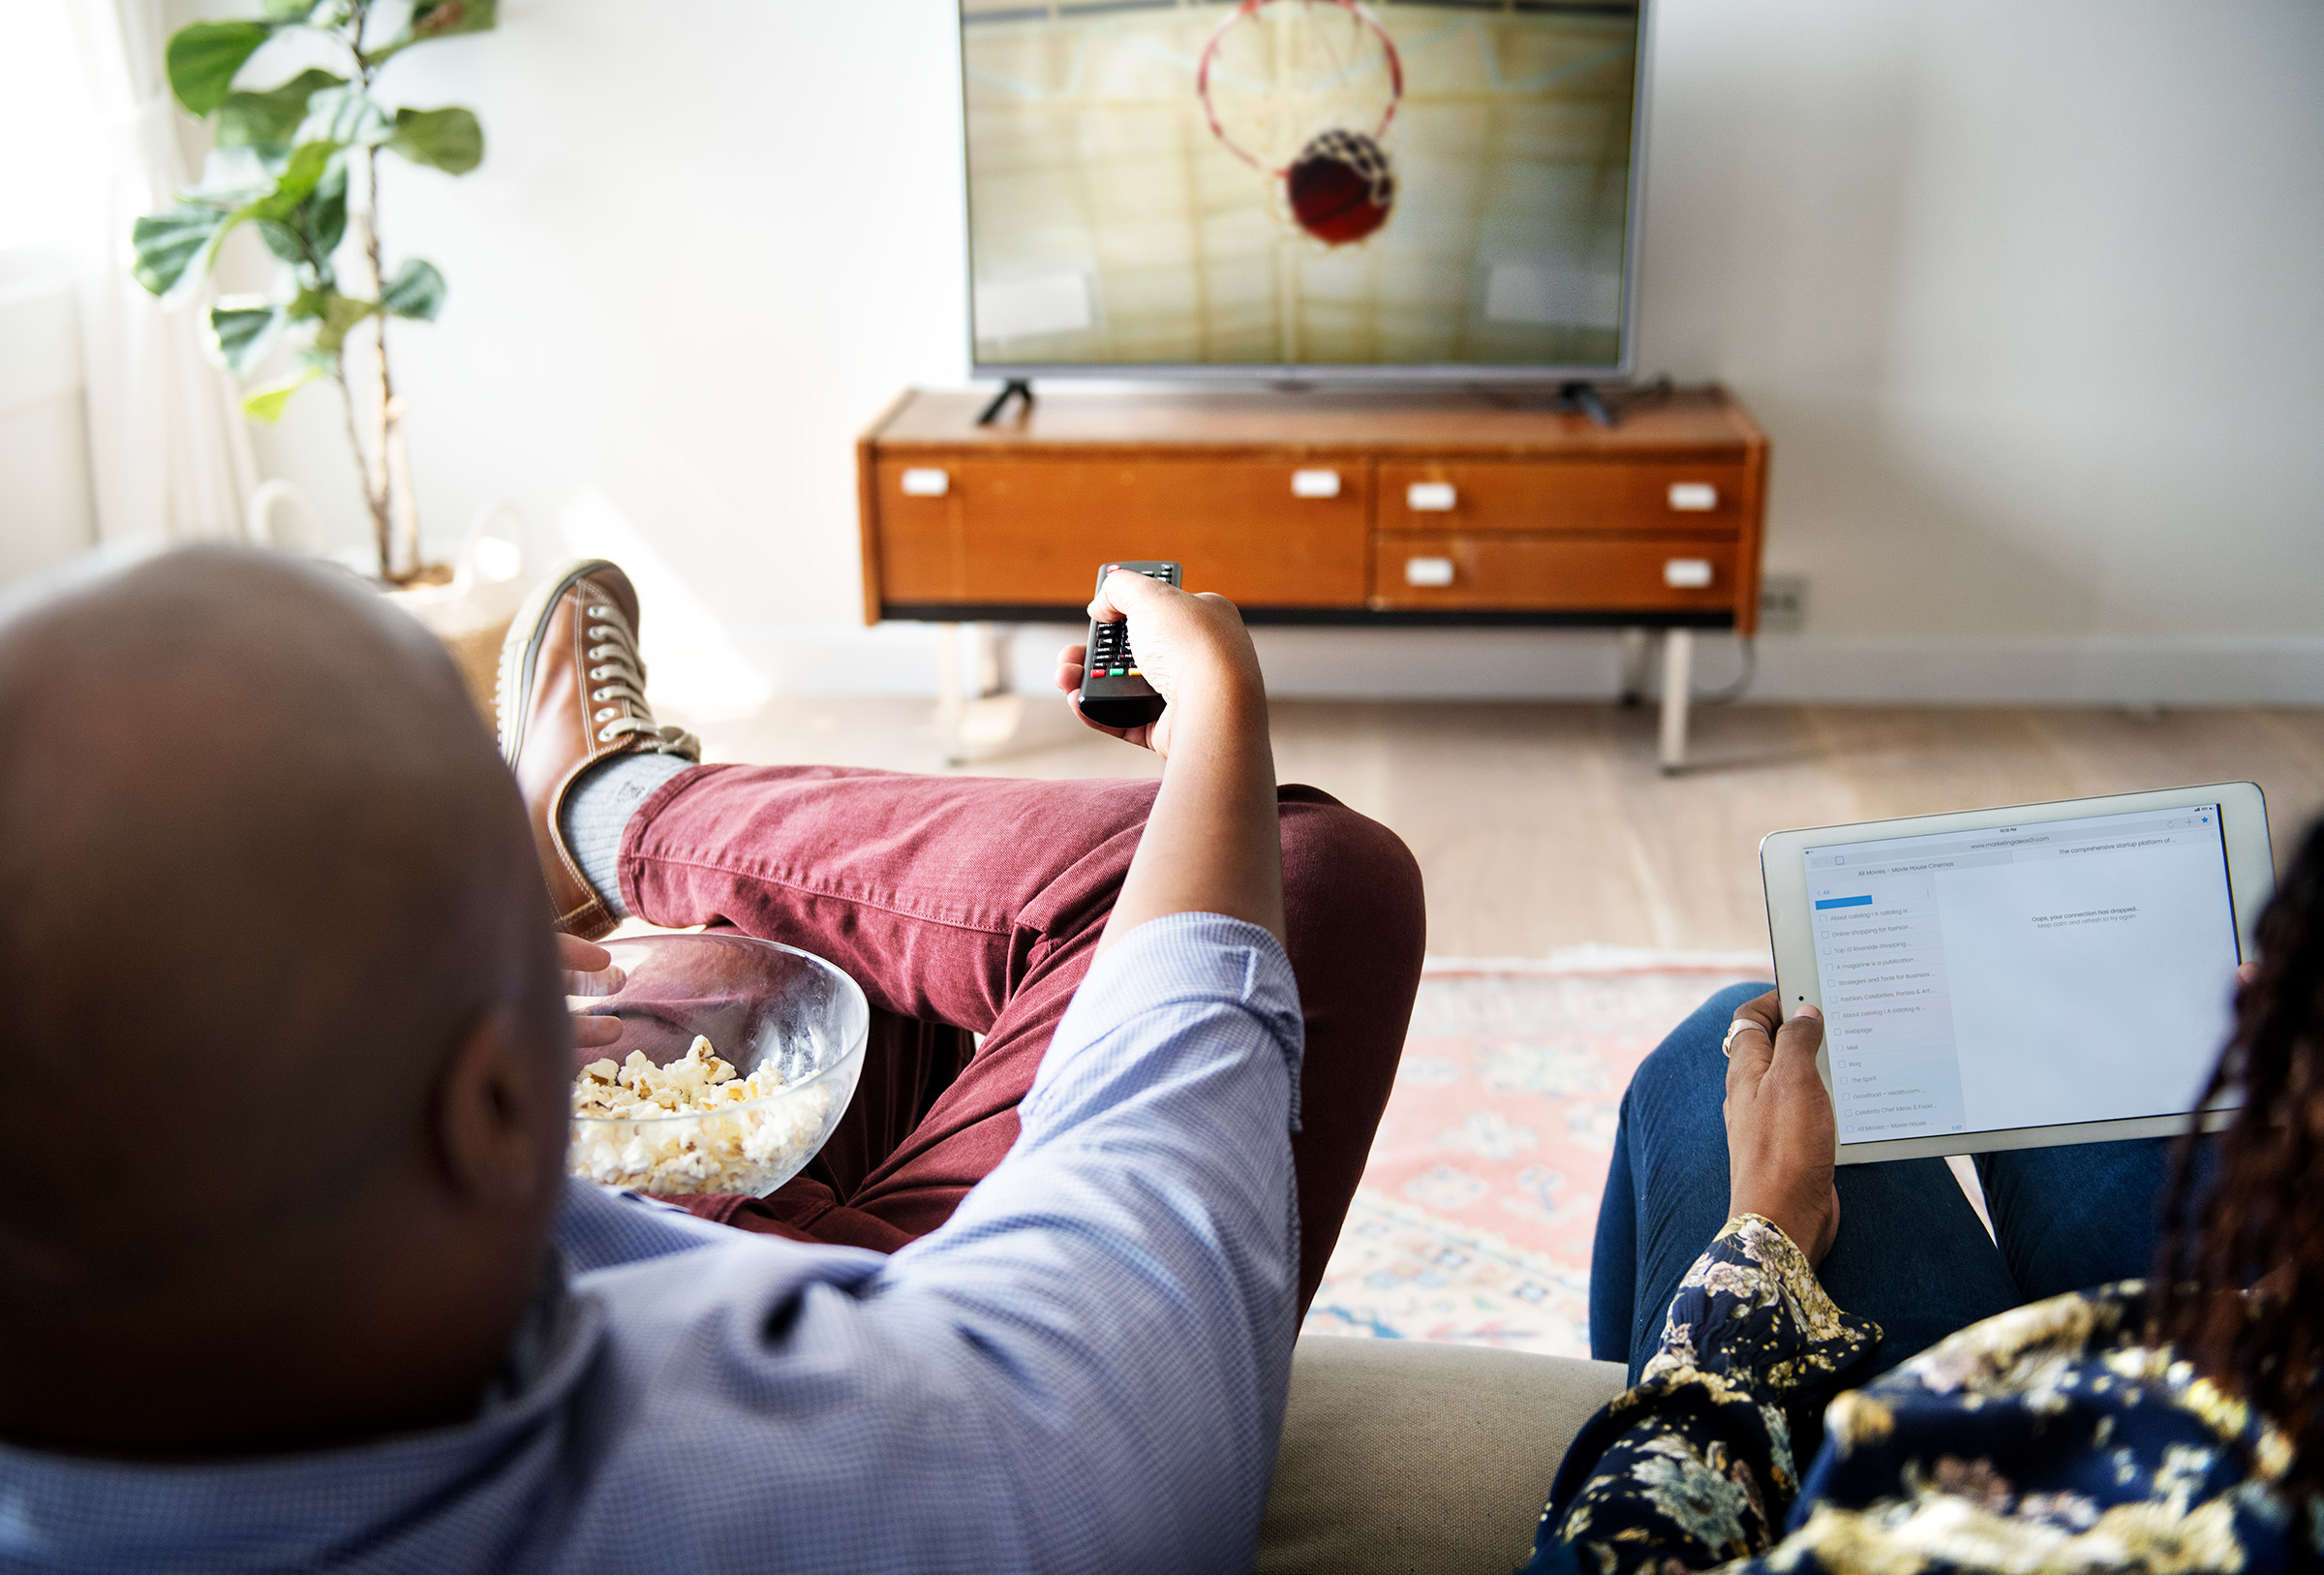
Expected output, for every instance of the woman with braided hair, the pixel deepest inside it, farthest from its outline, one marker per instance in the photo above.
(2239, 1282)
(2026, 1403)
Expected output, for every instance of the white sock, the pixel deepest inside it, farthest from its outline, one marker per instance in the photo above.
(597, 809)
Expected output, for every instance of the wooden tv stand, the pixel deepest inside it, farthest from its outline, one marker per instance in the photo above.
(1387, 510)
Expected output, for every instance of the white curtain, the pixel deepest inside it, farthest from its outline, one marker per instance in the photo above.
(168, 443)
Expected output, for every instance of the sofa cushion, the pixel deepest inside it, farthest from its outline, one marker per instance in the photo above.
(1401, 1455)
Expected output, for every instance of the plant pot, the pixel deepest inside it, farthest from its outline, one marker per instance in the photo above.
(469, 610)
(471, 613)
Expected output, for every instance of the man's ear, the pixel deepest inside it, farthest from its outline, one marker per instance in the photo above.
(500, 1108)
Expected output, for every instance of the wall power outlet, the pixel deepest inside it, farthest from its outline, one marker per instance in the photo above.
(1783, 603)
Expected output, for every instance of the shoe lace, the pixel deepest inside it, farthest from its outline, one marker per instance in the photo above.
(616, 686)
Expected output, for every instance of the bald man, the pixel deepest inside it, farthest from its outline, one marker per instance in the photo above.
(289, 1275)
(284, 999)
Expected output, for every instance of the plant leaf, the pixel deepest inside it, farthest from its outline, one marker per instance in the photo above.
(310, 230)
(449, 139)
(288, 13)
(268, 119)
(243, 333)
(441, 19)
(173, 248)
(415, 292)
(340, 316)
(283, 240)
(325, 212)
(265, 403)
(436, 19)
(202, 60)
(347, 115)
(309, 163)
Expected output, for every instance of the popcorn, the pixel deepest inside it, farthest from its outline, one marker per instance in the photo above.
(678, 1129)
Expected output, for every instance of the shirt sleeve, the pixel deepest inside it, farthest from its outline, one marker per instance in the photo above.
(1693, 1467)
(603, 1228)
(1128, 1276)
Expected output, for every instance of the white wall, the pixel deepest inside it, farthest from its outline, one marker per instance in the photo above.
(2027, 296)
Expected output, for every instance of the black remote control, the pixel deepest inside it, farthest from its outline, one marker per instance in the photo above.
(1114, 692)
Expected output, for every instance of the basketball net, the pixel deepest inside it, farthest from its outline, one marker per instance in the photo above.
(1278, 73)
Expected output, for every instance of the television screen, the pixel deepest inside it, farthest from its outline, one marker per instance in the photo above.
(1302, 185)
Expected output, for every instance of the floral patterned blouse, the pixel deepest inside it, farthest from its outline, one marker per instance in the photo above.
(2048, 1439)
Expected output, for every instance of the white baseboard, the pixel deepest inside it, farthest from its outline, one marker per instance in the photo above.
(1506, 664)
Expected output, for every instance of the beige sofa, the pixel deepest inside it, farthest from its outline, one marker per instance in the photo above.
(1404, 1456)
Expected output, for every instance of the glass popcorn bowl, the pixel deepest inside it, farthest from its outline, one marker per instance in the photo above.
(790, 1025)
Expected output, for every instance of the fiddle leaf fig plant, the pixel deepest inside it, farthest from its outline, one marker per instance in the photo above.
(299, 163)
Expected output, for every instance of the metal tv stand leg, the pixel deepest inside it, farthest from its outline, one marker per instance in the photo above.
(1678, 672)
(975, 712)
(1585, 398)
(1634, 653)
(952, 699)
(1013, 388)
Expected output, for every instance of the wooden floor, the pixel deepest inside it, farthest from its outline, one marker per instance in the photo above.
(1540, 826)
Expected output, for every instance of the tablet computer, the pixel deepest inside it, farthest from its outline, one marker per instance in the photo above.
(2014, 978)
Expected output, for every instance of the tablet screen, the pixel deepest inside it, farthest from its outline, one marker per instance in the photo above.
(2036, 975)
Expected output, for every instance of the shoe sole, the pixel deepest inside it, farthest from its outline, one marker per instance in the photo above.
(520, 651)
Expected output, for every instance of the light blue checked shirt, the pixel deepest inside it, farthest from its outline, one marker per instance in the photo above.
(1083, 1370)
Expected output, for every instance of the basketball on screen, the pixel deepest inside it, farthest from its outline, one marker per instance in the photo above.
(1303, 91)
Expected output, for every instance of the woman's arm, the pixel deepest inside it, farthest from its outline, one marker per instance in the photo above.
(1696, 1465)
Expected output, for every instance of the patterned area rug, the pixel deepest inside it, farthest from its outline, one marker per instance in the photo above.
(1474, 1220)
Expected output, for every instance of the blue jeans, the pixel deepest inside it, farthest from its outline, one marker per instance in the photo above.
(1911, 1253)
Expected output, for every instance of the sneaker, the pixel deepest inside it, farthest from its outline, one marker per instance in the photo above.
(573, 693)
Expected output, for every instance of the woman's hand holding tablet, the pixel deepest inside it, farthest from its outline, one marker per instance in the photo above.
(1778, 1125)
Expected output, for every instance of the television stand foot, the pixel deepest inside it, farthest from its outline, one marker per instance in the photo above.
(1016, 388)
(1583, 397)
(1636, 660)
(1678, 677)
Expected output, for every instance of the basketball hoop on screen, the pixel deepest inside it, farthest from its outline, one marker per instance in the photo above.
(1302, 91)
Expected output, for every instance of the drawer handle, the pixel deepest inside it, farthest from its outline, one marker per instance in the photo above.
(1430, 497)
(1687, 573)
(1315, 483)
(1428, 571)
(925, 484)
(1693, 497)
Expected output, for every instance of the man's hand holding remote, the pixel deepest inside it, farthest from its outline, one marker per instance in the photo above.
(1212, 844)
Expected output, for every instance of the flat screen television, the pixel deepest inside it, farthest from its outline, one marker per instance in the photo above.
(1303, 189)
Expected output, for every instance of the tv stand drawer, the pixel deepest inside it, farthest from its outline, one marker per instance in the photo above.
(1671, 574)
(1033, 531)
(1585, 496)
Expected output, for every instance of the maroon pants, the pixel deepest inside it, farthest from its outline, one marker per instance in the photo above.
(974, 905)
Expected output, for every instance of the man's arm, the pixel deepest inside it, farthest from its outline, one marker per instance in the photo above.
(1086, 1366)
(1124, 1285)
(1212, 844)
